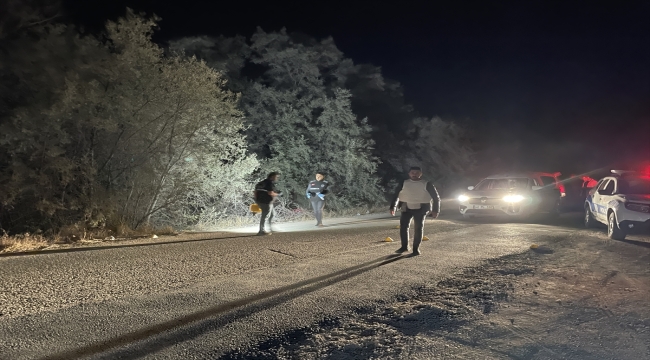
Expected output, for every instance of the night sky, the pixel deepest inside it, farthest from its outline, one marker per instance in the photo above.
(574, 75)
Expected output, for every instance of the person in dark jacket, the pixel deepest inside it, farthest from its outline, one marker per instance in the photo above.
(316, 191)
(416, 198)
(265, 195)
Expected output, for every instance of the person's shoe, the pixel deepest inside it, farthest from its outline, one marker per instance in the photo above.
(416, 252)
(261, 233)
(402, 250)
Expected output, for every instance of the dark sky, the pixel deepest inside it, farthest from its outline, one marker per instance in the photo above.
(563, 71)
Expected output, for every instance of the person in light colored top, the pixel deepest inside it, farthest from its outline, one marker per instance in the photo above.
(416, 198)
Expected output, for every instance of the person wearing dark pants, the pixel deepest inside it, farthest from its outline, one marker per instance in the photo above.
(316, 191)
(405, 219)
(265, 194)
(266, 218)
(416, 198)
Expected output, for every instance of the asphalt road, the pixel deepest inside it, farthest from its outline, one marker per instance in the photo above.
(204, 295)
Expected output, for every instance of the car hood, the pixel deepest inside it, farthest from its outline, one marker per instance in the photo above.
(643, 198)
(492, 193)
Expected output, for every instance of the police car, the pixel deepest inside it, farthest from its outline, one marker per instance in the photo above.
(622, 202)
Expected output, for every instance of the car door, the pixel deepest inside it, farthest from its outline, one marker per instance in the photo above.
(601, 197)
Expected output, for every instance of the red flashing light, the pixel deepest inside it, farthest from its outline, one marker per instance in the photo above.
(588, 182)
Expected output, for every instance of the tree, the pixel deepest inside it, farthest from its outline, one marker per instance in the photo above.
(17, 16)
(130, 134)
(288, 80)
(301, 126)
(441, 147)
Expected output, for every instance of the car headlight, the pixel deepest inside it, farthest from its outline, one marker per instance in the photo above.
(513, 198)
(638, 207)
(463, 198)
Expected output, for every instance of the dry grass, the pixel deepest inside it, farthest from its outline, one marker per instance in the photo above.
(23, 242)
(76, 234)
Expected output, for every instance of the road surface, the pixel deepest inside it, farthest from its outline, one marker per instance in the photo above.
(206, 295)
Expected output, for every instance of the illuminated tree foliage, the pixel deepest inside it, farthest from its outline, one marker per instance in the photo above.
(112, 129)
(299, 116)
(287, 78)
(120, 132)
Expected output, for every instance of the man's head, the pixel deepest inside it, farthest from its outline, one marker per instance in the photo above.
(320, 176)
(415, 173)
(274, 176)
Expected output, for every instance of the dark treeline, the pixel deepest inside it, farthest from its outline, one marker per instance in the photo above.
(112, 129)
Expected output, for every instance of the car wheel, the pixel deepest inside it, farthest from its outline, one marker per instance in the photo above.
(613, 231)
(589, 218)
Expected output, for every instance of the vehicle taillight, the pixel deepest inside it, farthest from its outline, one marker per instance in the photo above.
(562, 189)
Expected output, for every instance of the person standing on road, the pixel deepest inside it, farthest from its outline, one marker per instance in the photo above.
(416, 198)
(265, 195)
(316, 191)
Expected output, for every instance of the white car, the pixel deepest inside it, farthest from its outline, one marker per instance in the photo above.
(516, 195)
(622, 202)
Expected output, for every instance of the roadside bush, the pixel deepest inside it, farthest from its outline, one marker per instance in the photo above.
(119, 134)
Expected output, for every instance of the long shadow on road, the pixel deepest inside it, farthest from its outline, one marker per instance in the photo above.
(205, 322)
(636, 242)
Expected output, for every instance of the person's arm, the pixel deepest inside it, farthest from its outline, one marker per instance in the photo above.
(433, 192)
(325, 189)
(395, 200)
(307, 192)
(270, 188)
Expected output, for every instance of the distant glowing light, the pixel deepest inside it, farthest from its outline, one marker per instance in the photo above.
(589, 181)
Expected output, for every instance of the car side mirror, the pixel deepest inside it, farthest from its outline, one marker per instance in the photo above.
(470, 188)
(535, 188)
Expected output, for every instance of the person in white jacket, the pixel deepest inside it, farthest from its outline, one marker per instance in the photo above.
(416, 198)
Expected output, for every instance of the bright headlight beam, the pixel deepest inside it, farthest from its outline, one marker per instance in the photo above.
(513, 198)
(463, 198)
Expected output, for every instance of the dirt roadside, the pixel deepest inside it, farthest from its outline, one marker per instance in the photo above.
(581, 297)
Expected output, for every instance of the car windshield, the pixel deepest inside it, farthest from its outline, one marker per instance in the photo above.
(503, 184)
(634, 186)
